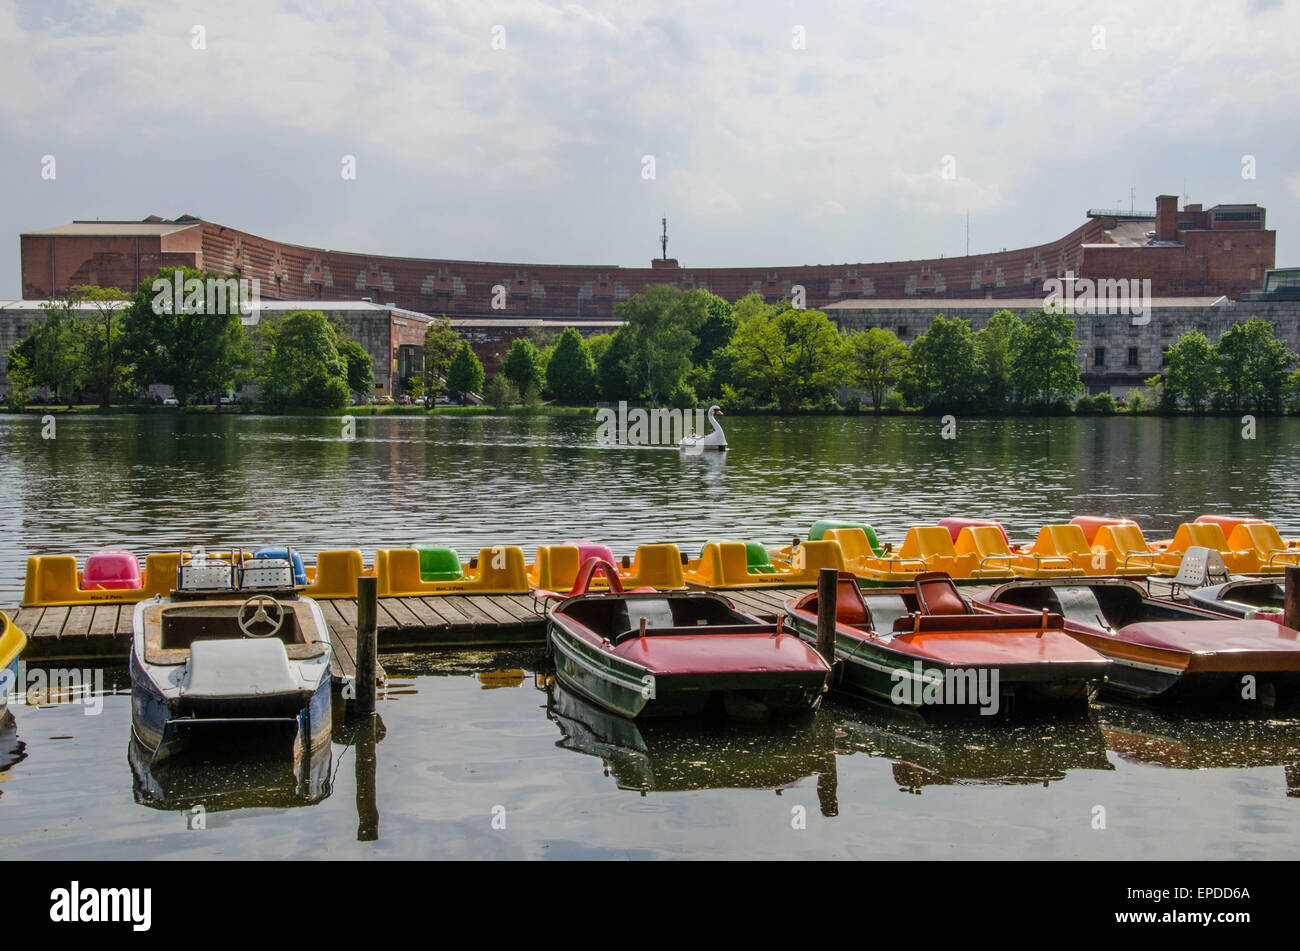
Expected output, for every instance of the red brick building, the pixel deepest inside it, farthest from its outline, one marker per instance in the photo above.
(1195, 252)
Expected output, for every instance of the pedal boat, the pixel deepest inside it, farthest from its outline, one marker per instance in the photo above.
(892, 643)
(645, 653)
(1159, 648)
(235, 653)
(12, 642)
(556, 567)
(730, 563)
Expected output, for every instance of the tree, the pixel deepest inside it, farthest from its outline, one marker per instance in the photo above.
(440, 346)
(522, 365)
(102, 343)
(497, 392)
(1253, 367)
(173, 342)
(660, 323)
(1191, 371)
(301, 365)
(465, 375)
(715, 331)
(358, 367)
(996, 348)
(571, 373)
(785, 357)
(614, 370)
(1046, 363)
(876, 358)
(54, 355)
(941, 371)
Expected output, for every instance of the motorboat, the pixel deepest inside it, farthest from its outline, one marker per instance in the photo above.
(1160, 647)
(923, 646)
(233, 652)
(712, 441)
(645, 653)
(1247, 598)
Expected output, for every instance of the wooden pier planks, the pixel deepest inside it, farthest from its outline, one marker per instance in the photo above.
(103, 631)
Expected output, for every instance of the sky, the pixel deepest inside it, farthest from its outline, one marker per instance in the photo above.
(559, 133)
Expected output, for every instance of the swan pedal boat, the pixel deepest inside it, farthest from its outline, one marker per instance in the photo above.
(891, 642)
(644, 653)
(714, 441)
(235, 651)
(1160, 648)
(12, 642)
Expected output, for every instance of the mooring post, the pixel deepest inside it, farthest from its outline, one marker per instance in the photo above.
(1291, 613)
(828, 580)
(367, 643)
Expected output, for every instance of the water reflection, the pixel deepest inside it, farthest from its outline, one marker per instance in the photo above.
(970, 752)
(669, 756)
(1181, 737)
(228, 779)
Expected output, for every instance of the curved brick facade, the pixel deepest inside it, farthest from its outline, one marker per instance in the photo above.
(1220, 251)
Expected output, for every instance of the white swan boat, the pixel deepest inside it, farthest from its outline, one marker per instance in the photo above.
(713, 441)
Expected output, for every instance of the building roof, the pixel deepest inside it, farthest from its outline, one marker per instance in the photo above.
(113, 229)
(945, 304)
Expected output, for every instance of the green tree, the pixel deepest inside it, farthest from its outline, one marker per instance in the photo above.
(103, 340)
(301, 365)
(941, 371)
(173, 342)
(465, 375)
(660, 324)
(497, 392)
(715, 331)
(19, 374)
(781, 356)
(522, 365)
(571, 373)
(1254, 367)
(996, 347)
(614, 369)
(440, 346)
(54, 356)
(1046, 363)
(358, 367)
(1191, 372)
(876, 358)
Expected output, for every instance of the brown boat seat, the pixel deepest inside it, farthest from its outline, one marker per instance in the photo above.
(849, 606)
(937, 595)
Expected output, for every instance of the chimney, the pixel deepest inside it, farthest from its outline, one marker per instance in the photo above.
(1166, 217)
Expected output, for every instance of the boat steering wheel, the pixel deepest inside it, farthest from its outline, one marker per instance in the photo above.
(248, 616)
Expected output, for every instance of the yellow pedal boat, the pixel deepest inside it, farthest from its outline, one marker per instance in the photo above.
(556, 567)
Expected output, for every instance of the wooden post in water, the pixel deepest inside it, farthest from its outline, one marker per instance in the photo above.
(828, 580)
(367, 643)
(1291, 613)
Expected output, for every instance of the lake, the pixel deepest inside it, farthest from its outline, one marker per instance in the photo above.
(481, 756)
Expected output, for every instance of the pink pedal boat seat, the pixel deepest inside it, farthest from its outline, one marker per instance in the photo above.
(112, 569)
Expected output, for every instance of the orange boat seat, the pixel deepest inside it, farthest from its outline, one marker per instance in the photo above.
(937, 595)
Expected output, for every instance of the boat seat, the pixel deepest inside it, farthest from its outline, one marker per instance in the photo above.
(175, 656)
(947, 624)
(248, 667)
(111, 569)
(937, 595)
(657, 612)
(849, 607)
(1080, 605)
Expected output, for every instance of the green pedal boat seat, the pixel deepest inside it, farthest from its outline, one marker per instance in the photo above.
(757, 560)
(438, 562)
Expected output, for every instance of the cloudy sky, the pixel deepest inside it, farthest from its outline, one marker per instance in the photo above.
(780, 133)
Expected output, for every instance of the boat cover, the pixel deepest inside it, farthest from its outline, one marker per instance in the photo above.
(252, 667)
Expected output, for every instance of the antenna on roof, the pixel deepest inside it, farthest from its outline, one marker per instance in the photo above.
(663, 238)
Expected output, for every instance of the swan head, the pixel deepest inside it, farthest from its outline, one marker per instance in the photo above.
(716, 410)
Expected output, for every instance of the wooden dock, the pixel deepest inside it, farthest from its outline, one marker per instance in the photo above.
(103, 631)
